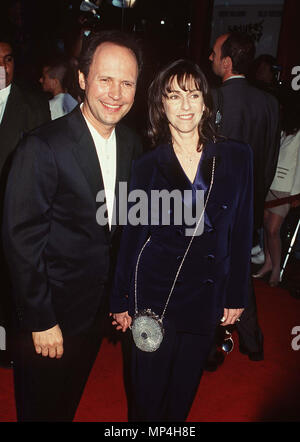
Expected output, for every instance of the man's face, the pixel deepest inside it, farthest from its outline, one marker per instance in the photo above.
(264, 73)
(215, 56)
(7, 61)
(109, 87)
(46, 81)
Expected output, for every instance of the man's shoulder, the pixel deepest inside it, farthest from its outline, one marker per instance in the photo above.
(28, 95)
(55, 131)
(57, 125)
(232, 148)
(129, 139)
(123, 130)
(245, 88)
(260, 93)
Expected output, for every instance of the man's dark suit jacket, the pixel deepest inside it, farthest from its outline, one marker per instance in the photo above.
(59, 256)
(215, 273)
(251, 115)
(25, 110)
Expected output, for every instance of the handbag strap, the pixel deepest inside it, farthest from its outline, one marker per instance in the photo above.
(185, 254)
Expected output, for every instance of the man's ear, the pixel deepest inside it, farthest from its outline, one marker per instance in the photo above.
(227, 63)
(81, 80)
(55, 83)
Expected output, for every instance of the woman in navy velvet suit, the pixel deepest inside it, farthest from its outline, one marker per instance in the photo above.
(212, 283)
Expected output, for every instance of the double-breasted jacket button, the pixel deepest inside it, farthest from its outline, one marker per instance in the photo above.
(210, 257)
(209, 281)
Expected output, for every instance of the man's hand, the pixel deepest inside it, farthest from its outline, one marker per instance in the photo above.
(231, 315)
(49, 342)
(121, 320)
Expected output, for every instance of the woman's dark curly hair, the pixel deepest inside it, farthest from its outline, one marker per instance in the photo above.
(184, 71)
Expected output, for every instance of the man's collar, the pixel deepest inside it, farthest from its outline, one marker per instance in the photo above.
(4, 93)
(234, 76)
(93, 129)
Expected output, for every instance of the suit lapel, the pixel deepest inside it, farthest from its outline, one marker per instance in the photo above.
(85, 153)
(173, 172)
(12, 121)
(177, 179)
(171, 169)
(123, 167)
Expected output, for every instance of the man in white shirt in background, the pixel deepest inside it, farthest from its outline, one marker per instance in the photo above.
(6, 74)
(53, 81)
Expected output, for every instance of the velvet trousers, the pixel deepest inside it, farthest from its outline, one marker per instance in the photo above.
(165, 382)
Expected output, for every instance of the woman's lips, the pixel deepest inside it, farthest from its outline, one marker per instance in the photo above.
(186, 116)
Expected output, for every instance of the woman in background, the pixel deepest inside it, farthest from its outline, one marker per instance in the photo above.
(286, 184)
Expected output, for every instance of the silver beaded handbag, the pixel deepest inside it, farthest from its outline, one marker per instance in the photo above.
(147, 330)
(147, 327)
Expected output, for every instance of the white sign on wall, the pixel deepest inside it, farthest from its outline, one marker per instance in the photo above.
(261, 22)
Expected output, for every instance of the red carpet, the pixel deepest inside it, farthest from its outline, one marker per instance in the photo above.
(240, 391)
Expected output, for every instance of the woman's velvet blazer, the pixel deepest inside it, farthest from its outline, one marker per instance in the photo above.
(216, 271)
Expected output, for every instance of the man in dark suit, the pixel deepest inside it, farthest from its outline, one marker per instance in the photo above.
(21, 110)
(247, 114)
(58, 250)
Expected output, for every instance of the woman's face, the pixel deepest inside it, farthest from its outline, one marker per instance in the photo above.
(183, 108)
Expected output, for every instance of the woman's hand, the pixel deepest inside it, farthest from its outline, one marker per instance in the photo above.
(121, 321)
(231, 315)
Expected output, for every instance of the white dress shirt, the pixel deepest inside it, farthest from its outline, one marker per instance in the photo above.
(106, 151)
(4, 93)
(61, 105)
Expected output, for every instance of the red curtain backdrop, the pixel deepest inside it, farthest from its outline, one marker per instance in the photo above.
(289, 39)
